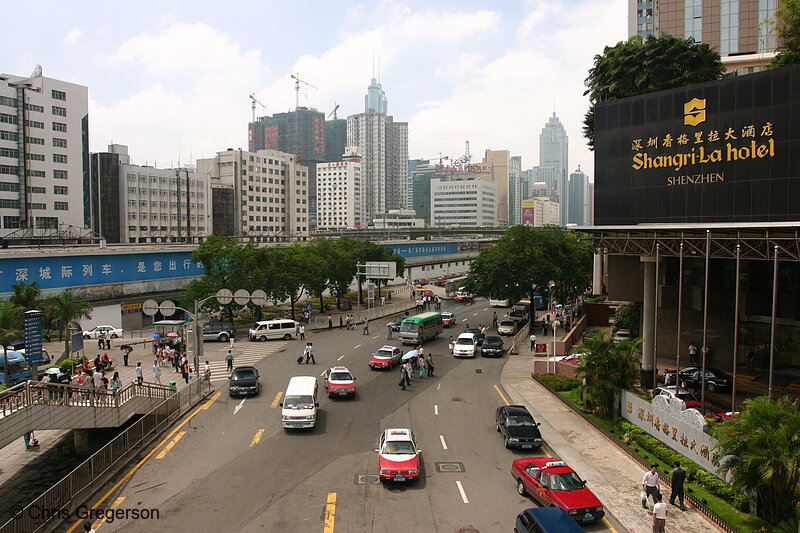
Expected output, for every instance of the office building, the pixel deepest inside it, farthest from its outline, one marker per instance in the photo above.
(264, 194)
(515, 192)
(132, 203)
(546, 212)
(383, 145)
(44, 153)
(421, 171)
(340, 203)
(335, 139)
(496, 164)
(579, 197)
(554, 152)
(742, 31)
(459, 201)
(398, 218)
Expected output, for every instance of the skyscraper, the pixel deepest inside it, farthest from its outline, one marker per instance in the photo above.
(383, 144)
(578, 197)
(496, 164)
(554, 152)
(515, 190)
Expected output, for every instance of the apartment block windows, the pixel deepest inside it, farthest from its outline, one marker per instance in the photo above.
(59, 158)
(61, 206)
(59, 143)
(693, 19)
(766, 13)
(60, 174)
(59, 126)
(60, 189)
(729, 27)
(58, 95)
(59, 111)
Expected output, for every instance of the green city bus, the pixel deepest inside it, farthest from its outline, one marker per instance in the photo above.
(419, 328)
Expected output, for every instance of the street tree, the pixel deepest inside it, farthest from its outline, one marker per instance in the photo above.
(762, 445)
(788, 29)
(315, 268)
(64, 309)
(26, 295)
(608, 367)
(342, 269)
(526, 257)
(639, 66)
(10, 330)
(286, 271)
(364, 251)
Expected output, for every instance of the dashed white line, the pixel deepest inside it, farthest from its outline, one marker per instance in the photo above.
(340, 358)
(438, 386)
(357, 346)
(436, 410)
(322, 374)
(444, 444)
(463, 494)
(463, 320)
(376, 336)
(485, 308)
(474, 314)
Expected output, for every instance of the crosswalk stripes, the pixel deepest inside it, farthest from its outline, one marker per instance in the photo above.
(244, 354)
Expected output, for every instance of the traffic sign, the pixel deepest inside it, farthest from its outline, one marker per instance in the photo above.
(241, 297)
(258, 297)
(224, 296)
(150, 307)
(167, 308)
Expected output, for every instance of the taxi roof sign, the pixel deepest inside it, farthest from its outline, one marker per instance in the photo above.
(398, 432)
(553, 464)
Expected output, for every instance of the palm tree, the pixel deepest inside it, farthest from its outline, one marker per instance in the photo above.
(763, 445)
(10, 330)
(64, 308)
(608, 368)
(26, 295)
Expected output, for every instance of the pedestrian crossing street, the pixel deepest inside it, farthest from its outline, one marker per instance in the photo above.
(244, 354)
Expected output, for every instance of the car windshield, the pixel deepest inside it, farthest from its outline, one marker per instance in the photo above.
(491, 341)
(385, 354)
(467, 342)
(686, 396)
(398, 447)
(565, 481)
(506, 323)
(298, 402)
(521, 420)
(243, 375)
(409, 327)
(341, 376)
(16, 366)
(476, 331)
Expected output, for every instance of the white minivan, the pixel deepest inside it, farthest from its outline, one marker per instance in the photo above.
(466, 345)
(272, 329)
(299, 405)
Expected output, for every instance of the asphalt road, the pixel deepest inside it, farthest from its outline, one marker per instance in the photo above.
(233, 468)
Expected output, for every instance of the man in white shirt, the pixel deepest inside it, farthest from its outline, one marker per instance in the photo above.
(97, 378)
(533, 342)
(156, 372)
(659, 515)
(650, 484)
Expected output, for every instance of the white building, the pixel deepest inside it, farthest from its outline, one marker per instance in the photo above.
(44, 153)
(398, 218)
(546, 212)
(467, 202)
(262, 195)
(340, 203)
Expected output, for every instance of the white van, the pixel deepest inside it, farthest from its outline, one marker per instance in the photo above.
(272, 329)
(497, 302)
(299, 405)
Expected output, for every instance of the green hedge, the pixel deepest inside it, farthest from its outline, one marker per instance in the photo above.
(694, 473)
(560, 383)
(71, 363)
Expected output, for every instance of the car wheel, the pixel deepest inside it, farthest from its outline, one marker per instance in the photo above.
(223, 337)
(497, 427)
(85, 337)
(262, 338)
(287, 337)
(711, 386)
(521, 487)
(114, 336)
(505, 440)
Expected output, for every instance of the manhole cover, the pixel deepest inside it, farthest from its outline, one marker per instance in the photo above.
(446, 468)
(468, 529)
(367, 479)
(478, 371)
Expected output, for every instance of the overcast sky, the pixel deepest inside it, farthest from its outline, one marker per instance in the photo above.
(171, 79)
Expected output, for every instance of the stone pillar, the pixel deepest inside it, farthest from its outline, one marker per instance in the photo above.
(597, 274)
(648, 320)
(80, 439)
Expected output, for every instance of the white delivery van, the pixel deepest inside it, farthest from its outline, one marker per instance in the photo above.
(272, 329)
(299, 405)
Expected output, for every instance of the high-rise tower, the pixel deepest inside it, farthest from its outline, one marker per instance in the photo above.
(554, 152)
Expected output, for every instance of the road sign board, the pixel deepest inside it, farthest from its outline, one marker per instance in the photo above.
(381, 270)
(258, 297)
(167, 308)
(33, 337)
(224, 296)
(150, 307)
(241, 297)
(76, 344)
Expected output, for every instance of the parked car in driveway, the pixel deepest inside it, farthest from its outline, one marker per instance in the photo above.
(518, 428)
(110, 331)
(671, 391)
(716, 379)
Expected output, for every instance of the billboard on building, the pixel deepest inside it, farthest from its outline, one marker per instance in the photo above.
(528, 209)
(722, 151)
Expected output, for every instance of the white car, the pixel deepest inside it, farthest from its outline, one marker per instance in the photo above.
(110, 331)
(466, 345)
(622, 335)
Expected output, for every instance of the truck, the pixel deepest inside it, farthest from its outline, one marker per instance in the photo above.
(521, 309)
(18, 368)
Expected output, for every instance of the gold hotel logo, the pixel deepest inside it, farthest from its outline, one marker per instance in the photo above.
(694, 112)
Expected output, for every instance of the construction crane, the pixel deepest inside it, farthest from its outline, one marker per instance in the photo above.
(253, 98)
(334, 111)
(297, 82)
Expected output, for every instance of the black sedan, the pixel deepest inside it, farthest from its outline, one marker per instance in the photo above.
(518, 427)
(716, 379)
(492, 347)
(243, 381)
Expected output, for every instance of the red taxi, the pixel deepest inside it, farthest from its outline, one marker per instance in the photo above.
(552, 483)
(448, 319)
(398, 458)
(340, 382)
(385, 357)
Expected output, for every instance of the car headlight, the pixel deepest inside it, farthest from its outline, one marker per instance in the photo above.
(598, 508)
(513, 440)
(413, 471)
(573, 511)
(386, 472)
(285, 418)
(311, 417)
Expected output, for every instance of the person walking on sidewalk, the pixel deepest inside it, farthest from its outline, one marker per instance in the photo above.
(156, 372)
(544, 327)
(659, 514)
(692, 353)
(139, 376)
(650, 484)
(302, 331)
(678, 477)
(229, 360)
(310, 354)
(533, 342)
(185, 370)
(330, 322)
(207, 373)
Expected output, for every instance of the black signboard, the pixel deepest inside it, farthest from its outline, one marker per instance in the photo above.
(722, 151)
(33, 338)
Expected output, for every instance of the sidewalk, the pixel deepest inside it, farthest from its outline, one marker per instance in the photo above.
(613, 476)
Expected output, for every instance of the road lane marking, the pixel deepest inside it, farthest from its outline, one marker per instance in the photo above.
(609, 526)
(438, 386)
(276, 400)
(257, 437)
(330, 513)
(474, 314)
(241, 404)
(463, 320)
(444, 444)
(138, 465)
(485, 308)
(357, 346)
(501, 395)
(463, 494)
(169, 446)
(100, 521)
(323, 373)
(340, 358)
(436, 410)
(376, 336)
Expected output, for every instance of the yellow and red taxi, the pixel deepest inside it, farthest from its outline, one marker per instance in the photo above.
(385, 357)
(340, 382)
(552, 483)
(398, 458)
